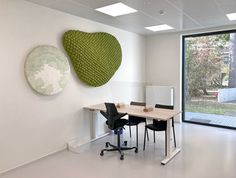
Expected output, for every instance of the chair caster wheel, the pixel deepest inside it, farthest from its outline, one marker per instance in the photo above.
(125, 143)
(107, 145)
(136, 150)
(122, 157)
(102, 153)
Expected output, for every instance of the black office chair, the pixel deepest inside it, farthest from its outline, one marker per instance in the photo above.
(160, 126)
(115, 122)
(135, 121)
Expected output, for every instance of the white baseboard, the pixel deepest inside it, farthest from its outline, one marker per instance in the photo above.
(33, 160)
(71, 146)
(74, 145)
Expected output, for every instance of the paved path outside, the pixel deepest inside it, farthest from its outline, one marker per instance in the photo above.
(222, 120)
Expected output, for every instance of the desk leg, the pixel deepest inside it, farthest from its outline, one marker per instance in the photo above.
(170, 151)
(94, 130)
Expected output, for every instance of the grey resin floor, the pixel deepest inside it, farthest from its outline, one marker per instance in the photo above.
(207, 152)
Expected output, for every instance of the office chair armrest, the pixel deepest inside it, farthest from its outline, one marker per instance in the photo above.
(104, 114)
(122, 115)
(119, 116)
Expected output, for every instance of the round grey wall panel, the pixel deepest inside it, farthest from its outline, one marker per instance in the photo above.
(47, 70)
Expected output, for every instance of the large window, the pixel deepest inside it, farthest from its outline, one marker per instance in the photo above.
(209, 79)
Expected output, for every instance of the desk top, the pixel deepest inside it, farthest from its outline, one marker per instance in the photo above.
(156, 113)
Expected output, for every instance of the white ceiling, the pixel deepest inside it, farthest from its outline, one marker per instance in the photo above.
(181, 14)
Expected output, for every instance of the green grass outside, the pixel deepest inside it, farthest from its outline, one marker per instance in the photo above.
(210, 107)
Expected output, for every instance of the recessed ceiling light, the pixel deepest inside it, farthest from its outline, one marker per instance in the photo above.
(159, 28)
(116, 9)
(231, 16)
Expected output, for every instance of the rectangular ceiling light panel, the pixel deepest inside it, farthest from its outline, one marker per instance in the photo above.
(116, 9)
(231, 16)
(159, 28)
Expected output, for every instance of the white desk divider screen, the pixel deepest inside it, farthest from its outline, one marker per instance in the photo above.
(159, 95)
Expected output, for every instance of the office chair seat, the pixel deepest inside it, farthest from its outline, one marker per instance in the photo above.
(121, 123)
(160, 126)
(157, 126)
(135, 121)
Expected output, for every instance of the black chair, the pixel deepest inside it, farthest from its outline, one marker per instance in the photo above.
(115, 122)
(160, 126)
(135, 121)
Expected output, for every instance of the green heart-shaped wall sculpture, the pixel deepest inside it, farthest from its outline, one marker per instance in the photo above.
(95, 56)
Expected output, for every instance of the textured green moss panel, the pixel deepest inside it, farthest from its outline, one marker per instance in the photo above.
(95, 56)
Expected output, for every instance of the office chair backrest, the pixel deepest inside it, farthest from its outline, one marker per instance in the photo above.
(111, 109)
(164, 106)
(110, 115)
(137, 103)
(162, 124)
(133, 118)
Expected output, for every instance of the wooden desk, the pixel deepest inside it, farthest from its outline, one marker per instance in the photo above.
(157, 113)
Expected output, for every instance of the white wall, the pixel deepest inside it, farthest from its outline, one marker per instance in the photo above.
(164, 60)
(32, 125)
